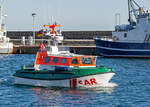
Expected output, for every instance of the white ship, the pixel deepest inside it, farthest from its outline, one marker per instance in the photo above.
(6, 47)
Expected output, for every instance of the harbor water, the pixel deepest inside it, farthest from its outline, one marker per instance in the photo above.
(132, 80)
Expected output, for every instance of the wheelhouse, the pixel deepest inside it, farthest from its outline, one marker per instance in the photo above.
(82, 61)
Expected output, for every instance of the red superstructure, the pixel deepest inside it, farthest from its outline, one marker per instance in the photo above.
(44, 59)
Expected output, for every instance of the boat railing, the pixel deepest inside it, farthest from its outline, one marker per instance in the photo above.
(107, 38)
(63, 49)
(132, 41)
(28, 67)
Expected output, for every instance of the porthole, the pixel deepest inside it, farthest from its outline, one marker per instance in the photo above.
(64, 60)
(55, 60)
(74, 61)
(47, 59)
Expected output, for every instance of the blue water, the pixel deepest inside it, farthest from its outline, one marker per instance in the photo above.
(132, 77)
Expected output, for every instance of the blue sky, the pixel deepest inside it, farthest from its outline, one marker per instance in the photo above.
(73, 15)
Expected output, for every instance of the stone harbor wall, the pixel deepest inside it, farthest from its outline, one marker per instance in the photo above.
(66, 34)
(79, 42)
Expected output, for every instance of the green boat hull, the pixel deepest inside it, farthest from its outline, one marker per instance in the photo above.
(75, 77)
(61, 75)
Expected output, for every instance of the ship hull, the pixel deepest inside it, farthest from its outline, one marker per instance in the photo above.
(85, 81)
(122, 49)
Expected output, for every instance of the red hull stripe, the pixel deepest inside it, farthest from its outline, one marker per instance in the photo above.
(74, 83)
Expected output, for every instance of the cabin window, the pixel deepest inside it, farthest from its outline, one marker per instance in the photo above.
(47, 59)
(95, 58)
(4, 33)
(125, 35)
(74, 61)
(55, 60)
(64, 60)
(86, 60)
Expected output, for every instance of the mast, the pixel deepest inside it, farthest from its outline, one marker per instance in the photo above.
(129, 11)
(1, 14)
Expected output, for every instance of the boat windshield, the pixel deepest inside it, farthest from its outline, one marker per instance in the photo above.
(86, 60)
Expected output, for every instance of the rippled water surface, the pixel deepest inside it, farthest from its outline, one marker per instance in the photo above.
(132, 77)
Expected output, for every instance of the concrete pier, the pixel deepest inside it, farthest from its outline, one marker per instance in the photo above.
(77, 46)
(85, 50)
(66, 34)
(79, 42)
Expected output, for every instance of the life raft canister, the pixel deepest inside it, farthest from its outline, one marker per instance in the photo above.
(115, 38)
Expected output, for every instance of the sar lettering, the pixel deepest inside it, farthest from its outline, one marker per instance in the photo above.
(92, 81)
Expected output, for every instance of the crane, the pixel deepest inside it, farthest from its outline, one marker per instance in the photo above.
(133, 9)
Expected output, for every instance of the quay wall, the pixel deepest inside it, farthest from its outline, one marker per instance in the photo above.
(79, 42)
(82, 50)
(66, 34)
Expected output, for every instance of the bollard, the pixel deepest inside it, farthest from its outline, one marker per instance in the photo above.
(22, 40)
(30, 40)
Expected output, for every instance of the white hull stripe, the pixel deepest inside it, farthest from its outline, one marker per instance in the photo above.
(140, 56)
(117, 49)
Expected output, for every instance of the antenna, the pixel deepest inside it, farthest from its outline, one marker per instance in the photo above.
(117, 19)
(1, 13)
(52, 19)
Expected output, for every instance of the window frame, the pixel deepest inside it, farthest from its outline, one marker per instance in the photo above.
(125, 35)
(63, 59)
(55, 60)
(76, 60)
(47, 59)
(83, 60)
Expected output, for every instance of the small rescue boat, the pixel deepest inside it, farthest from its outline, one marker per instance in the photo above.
(62, 69)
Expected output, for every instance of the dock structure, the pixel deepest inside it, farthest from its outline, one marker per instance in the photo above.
(86, 50)
(79, 42)
(66, 34)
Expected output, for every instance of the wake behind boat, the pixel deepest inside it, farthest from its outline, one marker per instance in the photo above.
(131, 40)
(61, 68)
